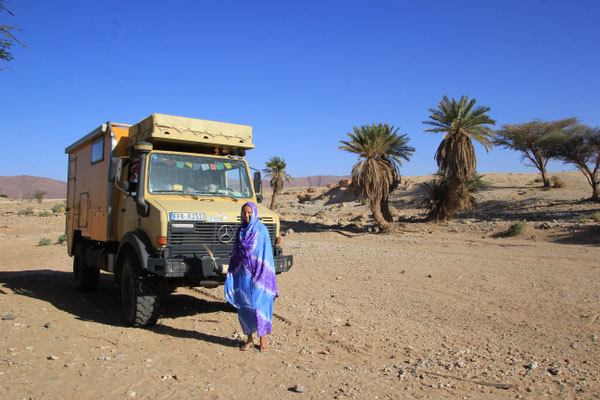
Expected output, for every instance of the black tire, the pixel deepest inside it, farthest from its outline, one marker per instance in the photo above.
(139, 295)
(85, 279)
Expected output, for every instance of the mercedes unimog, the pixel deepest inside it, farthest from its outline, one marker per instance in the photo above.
(158, 204)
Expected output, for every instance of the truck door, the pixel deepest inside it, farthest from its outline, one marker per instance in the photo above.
(83, 209)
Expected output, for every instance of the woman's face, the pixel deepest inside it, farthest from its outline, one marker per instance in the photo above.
(246, 214)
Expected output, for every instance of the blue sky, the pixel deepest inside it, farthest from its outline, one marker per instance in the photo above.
(301, 73)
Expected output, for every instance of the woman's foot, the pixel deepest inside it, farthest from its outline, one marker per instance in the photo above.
(263, 344)
(246, 346)
(249, 343)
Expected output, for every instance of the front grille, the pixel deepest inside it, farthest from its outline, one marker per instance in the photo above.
(190, 243)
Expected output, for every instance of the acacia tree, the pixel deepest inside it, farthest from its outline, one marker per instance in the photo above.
(376, 175)
(276, 172)
(578, 145)
(527, 138)
(455, 156)
(7, 39)
(38, 195)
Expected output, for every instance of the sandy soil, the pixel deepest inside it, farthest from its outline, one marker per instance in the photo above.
(451, 310)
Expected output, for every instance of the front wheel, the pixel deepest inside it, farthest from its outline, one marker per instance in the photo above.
(139, 295)
(85, 278)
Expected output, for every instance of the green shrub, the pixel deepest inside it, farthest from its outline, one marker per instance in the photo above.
(596, 216)
(557, 182)
(38, 195)
(45, 213)
(583, 219)
(62, 239)
(475, 182)
(44, 242)
(27, 211)
(516, 229)
(4, 196)
(58, 208)
(435, 201)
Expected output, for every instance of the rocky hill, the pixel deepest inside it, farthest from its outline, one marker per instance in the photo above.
(310, 181)
(23, 186)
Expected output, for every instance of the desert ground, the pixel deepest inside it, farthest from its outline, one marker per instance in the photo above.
(452, 310)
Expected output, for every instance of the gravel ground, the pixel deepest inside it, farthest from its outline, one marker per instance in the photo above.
(451, 310)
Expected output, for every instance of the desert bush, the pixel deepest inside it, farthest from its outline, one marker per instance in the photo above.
(44, 242)
(62, 239)
(58, 208)
(27, 211)
(38, 195)
(585, 218)
(4, 196)
(45, 213)
(557, 182)
(516, 229)
(538, 180)
(475, 182)
(436, 191)
(304, 197)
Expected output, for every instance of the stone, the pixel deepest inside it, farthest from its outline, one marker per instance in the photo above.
(299, 389)
(9, 317)
(531, 366)
(554, 371)
(48, 325)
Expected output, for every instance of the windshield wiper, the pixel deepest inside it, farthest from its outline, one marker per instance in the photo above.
(179, 192)
(228, 196)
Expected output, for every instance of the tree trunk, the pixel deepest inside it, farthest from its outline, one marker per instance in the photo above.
(452, 201)
(377, 215)
(385, 210)
(545, 177)
(272, 206)
(595, 191)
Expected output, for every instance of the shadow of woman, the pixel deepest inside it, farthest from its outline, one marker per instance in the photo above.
(187, 334)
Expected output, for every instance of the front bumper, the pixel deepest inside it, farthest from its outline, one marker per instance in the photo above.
(203, 268)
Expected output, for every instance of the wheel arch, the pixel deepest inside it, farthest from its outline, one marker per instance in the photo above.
(137, 244)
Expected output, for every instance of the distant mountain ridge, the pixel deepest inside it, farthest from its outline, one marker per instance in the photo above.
(23, 186)
(310, 181)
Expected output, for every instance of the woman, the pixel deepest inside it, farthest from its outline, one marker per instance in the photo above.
(250, 285)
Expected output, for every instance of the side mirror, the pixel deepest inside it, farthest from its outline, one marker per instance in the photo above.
(258, 186)
(115, 170)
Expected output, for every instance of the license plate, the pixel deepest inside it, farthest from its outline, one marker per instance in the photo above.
(187, 216)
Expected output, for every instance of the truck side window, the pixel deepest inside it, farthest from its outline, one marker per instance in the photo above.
(98, 151)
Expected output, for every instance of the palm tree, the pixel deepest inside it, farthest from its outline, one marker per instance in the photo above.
(455, 156)
(380, 151)
(276, 171)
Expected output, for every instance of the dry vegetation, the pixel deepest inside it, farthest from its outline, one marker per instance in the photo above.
(455, 310)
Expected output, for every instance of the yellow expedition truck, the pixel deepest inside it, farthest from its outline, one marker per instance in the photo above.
(158, 204)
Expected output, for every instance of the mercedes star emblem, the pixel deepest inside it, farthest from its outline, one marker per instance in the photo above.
(225, 234)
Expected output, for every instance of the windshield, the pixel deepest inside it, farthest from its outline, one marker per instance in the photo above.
(197, 175)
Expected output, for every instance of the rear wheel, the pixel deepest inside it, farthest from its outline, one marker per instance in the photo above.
(139, 295)
(85, 278)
